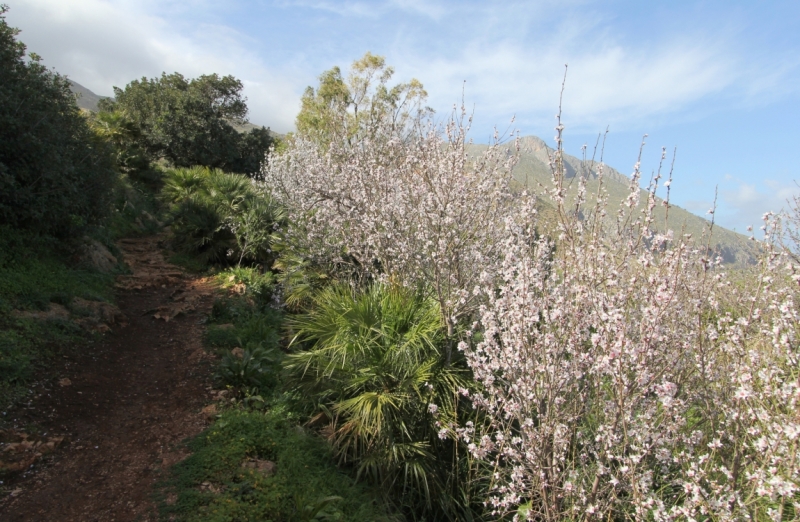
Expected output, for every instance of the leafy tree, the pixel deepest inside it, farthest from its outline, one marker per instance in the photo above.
(191, 121)
(357, 105)
(119, 131)
(55, 174)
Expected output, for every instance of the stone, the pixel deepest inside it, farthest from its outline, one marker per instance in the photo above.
(96, 255)
(267, 467)
(55, 311)
(210, 412)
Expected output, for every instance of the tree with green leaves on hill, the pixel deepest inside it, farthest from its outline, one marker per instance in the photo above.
(192, 121)
(56, 175)
(357, 104)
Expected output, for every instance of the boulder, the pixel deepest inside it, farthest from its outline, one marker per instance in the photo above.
(96, 255)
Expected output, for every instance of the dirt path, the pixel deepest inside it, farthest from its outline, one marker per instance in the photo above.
(124, 404)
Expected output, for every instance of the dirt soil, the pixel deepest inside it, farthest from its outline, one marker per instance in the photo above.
(114, 418)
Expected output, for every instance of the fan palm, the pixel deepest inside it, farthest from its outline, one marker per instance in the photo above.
(372, 364)
(220, 216)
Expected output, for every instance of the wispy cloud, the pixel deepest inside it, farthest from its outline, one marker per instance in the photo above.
(743, 204)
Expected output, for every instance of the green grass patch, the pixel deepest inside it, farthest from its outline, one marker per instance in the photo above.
(212, 485)
(245, 317)
(35, 271)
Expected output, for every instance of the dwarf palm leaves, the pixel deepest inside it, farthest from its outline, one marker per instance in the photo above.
(220, 216)
(372, 365)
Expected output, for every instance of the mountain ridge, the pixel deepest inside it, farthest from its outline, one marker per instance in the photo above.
(532, 171)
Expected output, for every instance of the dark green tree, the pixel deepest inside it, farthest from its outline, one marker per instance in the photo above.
(56, 175)
(192, 121)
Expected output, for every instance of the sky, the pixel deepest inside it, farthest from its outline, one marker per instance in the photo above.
(716, 80)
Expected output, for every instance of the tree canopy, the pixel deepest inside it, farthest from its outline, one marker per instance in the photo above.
(357, 104)
(191, 121)
(55, 174)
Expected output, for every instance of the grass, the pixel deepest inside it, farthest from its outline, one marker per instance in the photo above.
(35, 272)
(211, 485)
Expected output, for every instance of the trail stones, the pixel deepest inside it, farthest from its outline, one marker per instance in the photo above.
(210, 412)
(19, 450)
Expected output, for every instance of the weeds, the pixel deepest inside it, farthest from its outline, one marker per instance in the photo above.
(215, 484)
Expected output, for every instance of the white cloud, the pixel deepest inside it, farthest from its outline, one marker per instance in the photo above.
(743, 204)
(511, 54)
(607, 82)
(101, 44)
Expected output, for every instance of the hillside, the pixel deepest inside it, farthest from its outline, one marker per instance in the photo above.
(86, 98)
(533, 171)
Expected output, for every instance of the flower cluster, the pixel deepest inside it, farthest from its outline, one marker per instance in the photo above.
(628, 375)
(624, 372)
(415, 207)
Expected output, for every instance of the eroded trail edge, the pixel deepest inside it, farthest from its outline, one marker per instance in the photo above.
(125, 403)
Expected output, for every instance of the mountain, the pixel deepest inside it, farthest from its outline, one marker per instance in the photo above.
(533, 172)
(86, 99)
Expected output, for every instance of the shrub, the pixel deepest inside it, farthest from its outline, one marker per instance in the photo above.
(252, 369)
(371, 367)
(221, 217)
(626, 377)
(55, 174)
(190, 122)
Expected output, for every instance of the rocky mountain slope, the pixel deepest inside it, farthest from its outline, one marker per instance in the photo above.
(533, 172)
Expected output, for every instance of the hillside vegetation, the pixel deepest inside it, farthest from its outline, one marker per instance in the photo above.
(534, 172)
(412, 327)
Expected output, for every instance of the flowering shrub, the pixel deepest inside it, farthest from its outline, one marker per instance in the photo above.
(624, 373)
(415, 208)
(627, 375)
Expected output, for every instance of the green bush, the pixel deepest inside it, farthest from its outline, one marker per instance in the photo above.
(370, 365)
(191, 122)
(220, 217)
(253, 369)
(56, 175)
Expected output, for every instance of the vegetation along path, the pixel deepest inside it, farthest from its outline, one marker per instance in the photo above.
(124, 404)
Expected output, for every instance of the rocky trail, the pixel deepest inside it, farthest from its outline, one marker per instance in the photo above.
(112, 422)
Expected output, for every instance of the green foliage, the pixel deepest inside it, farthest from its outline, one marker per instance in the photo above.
(189, 121)
(371, 365)
(253, 147)
(253, 369)
(32, 276)
(245, 320)
(211, 484)
(55, 174)
(353, 106)
(253, 284)
(135, 208)
(300, 279)
(221, 217)
(238, 322)
(122, 134)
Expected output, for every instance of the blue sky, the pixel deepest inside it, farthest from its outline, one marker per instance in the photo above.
(716, 79)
